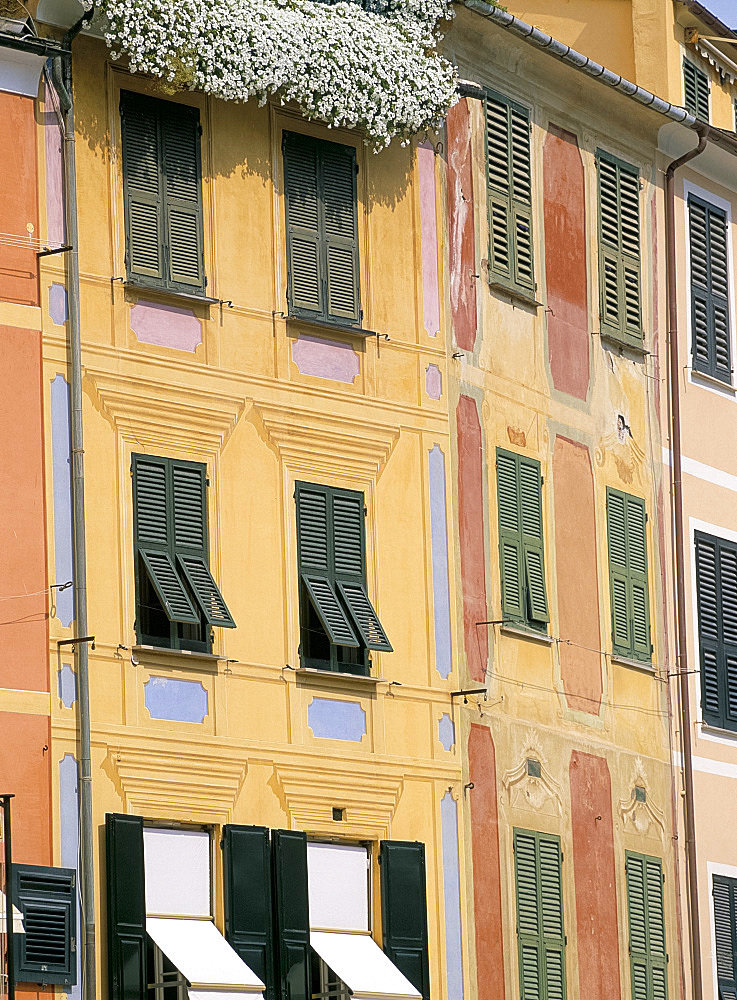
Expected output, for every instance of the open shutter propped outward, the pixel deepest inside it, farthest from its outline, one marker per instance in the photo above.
(724, 892)
(710, 320)
(292, 913)
(404, 910)
(126, 907)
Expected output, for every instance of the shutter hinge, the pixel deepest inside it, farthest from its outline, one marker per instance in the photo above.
(355, 166)
(207, 481)
(365, 511)
(199, 129)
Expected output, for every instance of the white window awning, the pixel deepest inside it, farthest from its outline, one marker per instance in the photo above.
(359, 962)
(202, 955)
(18, 927)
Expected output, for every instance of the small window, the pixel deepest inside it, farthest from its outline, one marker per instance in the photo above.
(628, 585)
(619, 250)
(162, 194)
(509, 194)
(648, 956)
(696, 90)
(716, 585)
(541, 937)
(177, 599)
(710, 325)
(322, 230)
(338, 623)
(521, 551)
(724, 893)
(46, 951)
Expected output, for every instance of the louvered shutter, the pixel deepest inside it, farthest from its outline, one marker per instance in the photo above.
(540, 926)
(531, 516)
(639, 596)
(248, 899)
(47, 898)
(126, 907)
(551, 912)
(710, 322)
(153, 538)
(304, 239)
(340, 224)
(648, 956)
(716, 583)
(510, 537)
(509, 193)
(182, 177)
(628, 583)
(291, 914)
(528, 916)
(619, 250)
(519, 498)
(404, 910)
(724, 891)
(142, 187)
(696, 90)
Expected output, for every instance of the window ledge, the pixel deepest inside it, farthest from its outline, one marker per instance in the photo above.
(168, 293)
(515, 294)
(520, 632)
(333, 680)
(714, 732)
(327, 326)
(623, 345)
(702, 378)
(177, 657)
(647, 666)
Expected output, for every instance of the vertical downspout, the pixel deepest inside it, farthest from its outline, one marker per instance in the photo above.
(677, 496)
(63, 80)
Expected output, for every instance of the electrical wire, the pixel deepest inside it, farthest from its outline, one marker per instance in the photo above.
(35, 593)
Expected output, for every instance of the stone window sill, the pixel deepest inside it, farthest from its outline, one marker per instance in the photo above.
(160, 655)
(647, 666)
(515, 294)
(335, 681)
(624, 346)
(702, 379)
(324, 326)
(142, 290)
(519, 632)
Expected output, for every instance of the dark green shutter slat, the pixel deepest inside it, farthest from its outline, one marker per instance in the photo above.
(303, 210)
(205, 590)
(348, 535)
(522, 559)
(619, 250)
(711, 337)
(189, 506)
(168, 585)
(531, 518)
(330, 611)
(724, 891)
(696, 90)
(248, 899)
(637, 552)
(510, 536)
(291, 914)
(628, 577)
(150, 502)
(364, 616)
(142, 187)
(47, 899)
(180, 130)
(126, 907)
(341, 231)
(404, 910)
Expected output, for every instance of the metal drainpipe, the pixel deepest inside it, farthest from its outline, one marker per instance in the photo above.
(62, 75)
(682, 645)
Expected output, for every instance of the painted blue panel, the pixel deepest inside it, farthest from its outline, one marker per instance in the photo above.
(68, 827)
(67, 680)
(439, 545)
(175, 700)
(446, 732)
(452, 898)
(58, 304)
(61, 452)
(330, 719)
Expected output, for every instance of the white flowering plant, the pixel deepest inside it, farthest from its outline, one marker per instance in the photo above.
(366, 64)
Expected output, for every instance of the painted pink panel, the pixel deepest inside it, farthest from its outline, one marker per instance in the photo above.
(460, 224)
(471, 532)
(433, 382)
(54, 170)
(429, 237)
(325, 358)
(167, 326)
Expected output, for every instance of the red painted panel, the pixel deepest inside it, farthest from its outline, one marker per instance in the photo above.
(576, 575)
(18, 199)
(471, 536)
(462, 248)
(24, 631)
(565, 262)
(487, 894)
(594, 877)
(25, 771)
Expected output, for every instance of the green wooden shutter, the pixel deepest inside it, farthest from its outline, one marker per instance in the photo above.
(291, 914)
(531, 519)
(540, 925)
(305, 290)
(521, 551)
(711, 346)
(509, 193)
(182, 169)
(640, 599)
(248, 899)
(619, 250)
(716, 587)
(126, 908)
(404, 910)
(47, 898)
(143, 194)
(340, 221)
(696, 90)
(510, 536)
(628, 582)
(724, 891)
(648, 956)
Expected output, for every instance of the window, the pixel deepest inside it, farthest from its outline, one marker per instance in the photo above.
(521, 555)
(177, 599)
(509, 194)
(710, 331)
(724, 892)
(648, 957)
(322, 230)
(45, 951)
(337, 620)
(540, 929)
(628, 587)
(162, 193)
(716, 587)
(696, 90)
(619, 250)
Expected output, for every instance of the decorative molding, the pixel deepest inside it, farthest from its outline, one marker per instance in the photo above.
(311, 794)
(542, 793)
(642, 815)
(181, 784)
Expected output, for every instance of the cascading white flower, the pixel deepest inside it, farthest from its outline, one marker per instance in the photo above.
(371, 65)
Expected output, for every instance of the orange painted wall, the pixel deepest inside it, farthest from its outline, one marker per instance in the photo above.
(594, 876)
(25, 770)
(577, 580)
(471, 536)
(23, 620)
(18, 199)
(487, 898)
